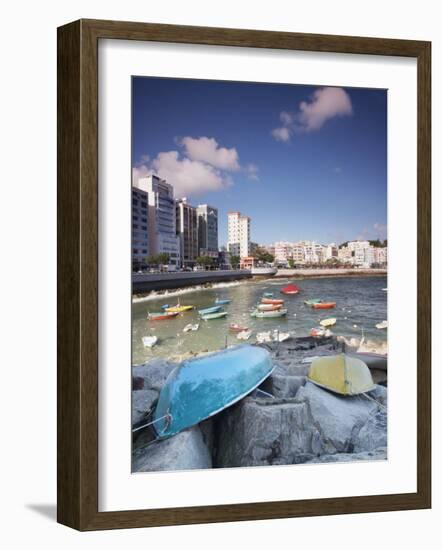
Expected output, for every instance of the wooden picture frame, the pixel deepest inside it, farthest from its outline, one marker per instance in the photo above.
(78, 274)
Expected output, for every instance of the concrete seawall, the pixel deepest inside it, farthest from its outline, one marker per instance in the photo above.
(145, 282)
(339, 272)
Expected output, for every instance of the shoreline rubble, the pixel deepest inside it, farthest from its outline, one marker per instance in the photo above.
(302, 423)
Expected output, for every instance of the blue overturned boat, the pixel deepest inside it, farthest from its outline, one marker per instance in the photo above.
(222, 302)
(208, 310)
(202, 387)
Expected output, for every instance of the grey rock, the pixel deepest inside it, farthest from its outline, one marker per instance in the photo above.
(373, 433)
(183, 451)
(283, 386)
(336, 417)
(380, 393)
(142, 401)
(259, 432)
(377, 454)
(153, 373)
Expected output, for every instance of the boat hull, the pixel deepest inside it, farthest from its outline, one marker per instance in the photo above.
(269, 314)
(208, 310)
(324, 305)
(202, 387)
(162, 316)
(218, 315)
(271, 301)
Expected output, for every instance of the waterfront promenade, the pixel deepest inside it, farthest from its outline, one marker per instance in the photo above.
(324, 272)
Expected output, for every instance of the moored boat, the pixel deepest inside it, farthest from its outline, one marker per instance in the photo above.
(312, 301)
(382, 325)
(319, 332)
(149, 341)
(161, 315)
(341, 374)
(290, 290)
(216, 315)
(244, 335)
(190, 327)
(328, 322)
(268, 294)
(208, 310)
(178, 308)
(222, 301)
(269, 314)
(268, 307)
(274, 301)
(234, 327)
(200, 388)
(324, 305)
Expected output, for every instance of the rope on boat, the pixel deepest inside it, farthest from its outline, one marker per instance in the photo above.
(169, 416)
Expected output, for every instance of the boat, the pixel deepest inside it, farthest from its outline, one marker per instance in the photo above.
(320, 332)
(324, 305)
(273, 301)
(382, 325)
(234, 327)
(178, 308)
(222, 302)
(264, 337)
(149, 341)
(281, 336)
(341, 374)
(161, 315)
(376, 361)
(268, 307)
(312, 301)
(244, 335)
(269, 314)
(165, 306)
(268, 294)
(202, 387)
(216, 315)
(208, 310)
(328, 322)
(290, 290)
(190, 327)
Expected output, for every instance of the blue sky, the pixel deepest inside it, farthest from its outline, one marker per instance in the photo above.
(304, 162)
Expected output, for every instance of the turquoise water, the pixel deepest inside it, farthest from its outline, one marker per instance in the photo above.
(360, 301)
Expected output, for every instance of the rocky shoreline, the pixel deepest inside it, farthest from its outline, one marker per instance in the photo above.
(302, 423)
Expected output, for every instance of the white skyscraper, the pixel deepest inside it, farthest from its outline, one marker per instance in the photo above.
(238, 238)
(161, 218)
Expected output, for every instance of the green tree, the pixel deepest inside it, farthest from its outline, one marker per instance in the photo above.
(152, 260)
(163, 258)
(235, 261)
(205, 261)
(292, 263)
(262, 255)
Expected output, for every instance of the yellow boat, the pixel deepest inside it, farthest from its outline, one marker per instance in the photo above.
(178, 309)
(328, 322)
(341, 374)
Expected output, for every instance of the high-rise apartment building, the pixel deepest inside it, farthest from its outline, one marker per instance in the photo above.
(238, 234)
(187, 232)
(207, 230)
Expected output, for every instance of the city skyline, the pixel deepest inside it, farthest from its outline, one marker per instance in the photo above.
(311, 159)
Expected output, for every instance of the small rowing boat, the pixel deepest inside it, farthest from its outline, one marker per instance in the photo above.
(324, 305)
(269, 307)
(162, 315)
(244, 335)
(178, 308)
(190, 327)
(216, 315)
(269, 314)
(234, 327)
(271, 301)
(328, 322)
(319, 332)
(149, 341)
(222, 302)
(208, 310)
(264, 337)
(312, 302)
(382, 325)
(290, 290)
(268, 294)
(281, 336)
(202, 387)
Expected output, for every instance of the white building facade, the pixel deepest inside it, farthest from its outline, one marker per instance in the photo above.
(238, 234)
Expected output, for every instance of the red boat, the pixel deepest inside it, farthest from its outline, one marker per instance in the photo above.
(162, 316)
(234, 327)
(290, 289)
(271, 301)
(324, 305)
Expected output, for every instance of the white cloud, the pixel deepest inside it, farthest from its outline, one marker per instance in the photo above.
(252, 172)
(324, 104)
(281, 134)
(207, 150)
